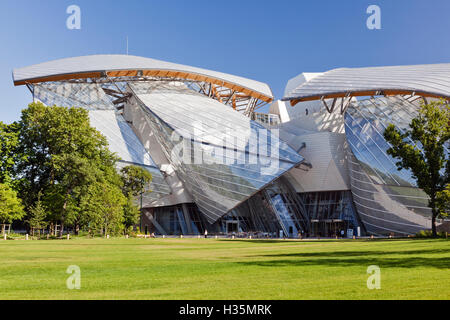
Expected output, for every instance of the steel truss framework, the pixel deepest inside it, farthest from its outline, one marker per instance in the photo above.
(347, 101)
(114, 87)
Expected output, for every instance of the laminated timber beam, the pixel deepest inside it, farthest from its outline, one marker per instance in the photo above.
(150, 73)
(293, 102)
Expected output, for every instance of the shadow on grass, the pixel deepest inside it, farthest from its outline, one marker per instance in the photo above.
(294, 241)
(406, 262)
(345, 254)
(386, 259)
(253, 241)
(324, 240)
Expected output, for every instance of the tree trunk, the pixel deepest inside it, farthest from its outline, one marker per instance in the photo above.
(433, 223)
(61, 228)
(434, 213)
(69, 191)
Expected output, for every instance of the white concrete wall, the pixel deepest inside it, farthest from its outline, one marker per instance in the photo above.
(287, 113)
(325, 151)
(323, 134)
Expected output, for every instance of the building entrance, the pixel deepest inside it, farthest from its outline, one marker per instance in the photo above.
(327, 228)
(232, 226)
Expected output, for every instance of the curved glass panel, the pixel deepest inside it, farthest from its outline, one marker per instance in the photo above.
(222, 157)
(388, 200)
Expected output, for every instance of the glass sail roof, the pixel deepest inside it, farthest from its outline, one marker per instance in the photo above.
(225, 157)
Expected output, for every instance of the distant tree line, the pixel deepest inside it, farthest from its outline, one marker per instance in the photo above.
(57, 170)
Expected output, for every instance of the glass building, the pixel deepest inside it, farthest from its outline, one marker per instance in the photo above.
(314, 165)
(387, 201)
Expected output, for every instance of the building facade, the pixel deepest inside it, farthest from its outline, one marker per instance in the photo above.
(314, 165)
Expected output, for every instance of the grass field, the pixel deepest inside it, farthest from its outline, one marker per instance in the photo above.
(224, 269)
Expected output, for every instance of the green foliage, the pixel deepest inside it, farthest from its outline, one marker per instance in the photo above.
(38, 215)
(9, 140)
(50, 136)
(131, 213)
(443, 201)
(135, 179)
(11, 208)
(66, 158)
(423, 234)
(65, 174)
(103, 206)
(431, 131)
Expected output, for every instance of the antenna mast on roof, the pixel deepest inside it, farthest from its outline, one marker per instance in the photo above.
(127, 45)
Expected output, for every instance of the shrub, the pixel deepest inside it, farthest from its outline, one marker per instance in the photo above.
(429, 234)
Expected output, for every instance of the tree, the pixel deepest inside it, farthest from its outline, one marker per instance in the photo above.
(135, 179)
(61, 155)
(57, 161)
(428, 163)
(75, 174)
(38, 216)
(103, 208)
(11, 208)
(131, 213)
(443, 201)
(9, 140)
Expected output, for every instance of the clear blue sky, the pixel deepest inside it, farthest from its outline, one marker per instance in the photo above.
(269, 41)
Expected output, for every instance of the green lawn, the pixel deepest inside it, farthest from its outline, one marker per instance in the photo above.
(224, 269)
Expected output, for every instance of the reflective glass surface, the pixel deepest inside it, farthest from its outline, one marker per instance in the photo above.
(330, 212)
(67, 94)
(387, 199)
(222, 157)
